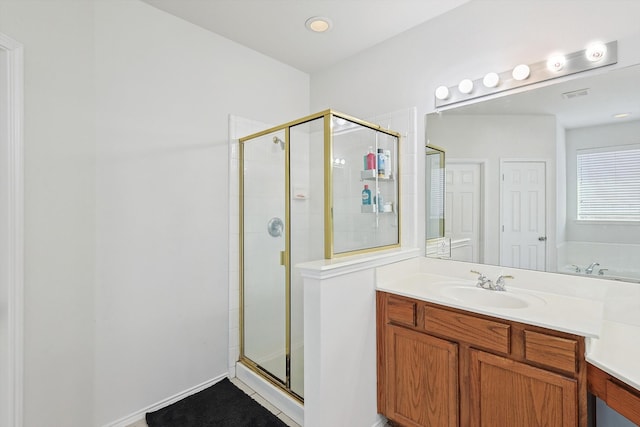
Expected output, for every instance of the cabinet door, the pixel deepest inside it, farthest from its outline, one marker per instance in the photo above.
(505, 393)
(422, 379)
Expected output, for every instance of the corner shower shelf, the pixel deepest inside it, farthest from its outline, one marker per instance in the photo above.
(372, 175)
(372, 209)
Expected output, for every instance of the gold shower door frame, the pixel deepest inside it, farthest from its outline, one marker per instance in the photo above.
(285, 257)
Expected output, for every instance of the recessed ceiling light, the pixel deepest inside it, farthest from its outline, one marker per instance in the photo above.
(621, 115)
(318, 24)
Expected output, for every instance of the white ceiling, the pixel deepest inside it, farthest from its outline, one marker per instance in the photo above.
(277, 29)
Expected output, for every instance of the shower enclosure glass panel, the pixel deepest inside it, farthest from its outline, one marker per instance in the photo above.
(300, 201)
(264, 296)
(307, 227)
(364, 161)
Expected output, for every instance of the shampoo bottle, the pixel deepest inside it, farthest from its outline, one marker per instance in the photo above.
(366, 195)
(387, 163)
(370, 160)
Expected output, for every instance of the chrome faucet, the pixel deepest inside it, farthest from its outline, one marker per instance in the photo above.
(483, 281)
(589, 269)
(500, 282)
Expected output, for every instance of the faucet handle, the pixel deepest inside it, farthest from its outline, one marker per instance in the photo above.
(481, 276)
(483, 280)
(500, 281)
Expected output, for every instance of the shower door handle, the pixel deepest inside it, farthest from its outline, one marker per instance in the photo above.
(283, 258)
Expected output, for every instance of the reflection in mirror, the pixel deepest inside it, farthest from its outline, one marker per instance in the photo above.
(542, 179)
(435, 192)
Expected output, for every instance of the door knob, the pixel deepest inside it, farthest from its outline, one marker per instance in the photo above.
(542, 238)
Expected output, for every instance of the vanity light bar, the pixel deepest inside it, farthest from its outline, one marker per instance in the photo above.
(596, 55)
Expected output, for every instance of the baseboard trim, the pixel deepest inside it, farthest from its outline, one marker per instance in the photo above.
(140, 415)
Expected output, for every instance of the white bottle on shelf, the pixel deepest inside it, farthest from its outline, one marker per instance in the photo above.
(387, 164)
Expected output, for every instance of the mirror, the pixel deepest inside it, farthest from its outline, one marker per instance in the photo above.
(511, 174)
(435, 172)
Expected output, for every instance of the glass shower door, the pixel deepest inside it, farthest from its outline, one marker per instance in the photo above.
(264, 245)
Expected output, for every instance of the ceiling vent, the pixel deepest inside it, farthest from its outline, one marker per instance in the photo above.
(575, 93)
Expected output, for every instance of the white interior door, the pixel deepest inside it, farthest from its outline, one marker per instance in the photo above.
(523, 224)
(463, 214)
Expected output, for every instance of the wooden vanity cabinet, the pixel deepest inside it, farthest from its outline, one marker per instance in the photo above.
(439, 366)
(416, 363)
(509, 393)
(616, 394)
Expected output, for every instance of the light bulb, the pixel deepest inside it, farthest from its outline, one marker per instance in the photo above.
(595, 51)
(521, 72)
(465, 86)
(491, 80)
(442, 92)
(556, 63)
(318, 24)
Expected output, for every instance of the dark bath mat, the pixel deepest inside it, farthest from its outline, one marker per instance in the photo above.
(221, 405)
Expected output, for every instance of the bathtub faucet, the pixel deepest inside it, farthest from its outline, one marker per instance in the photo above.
(589, 269)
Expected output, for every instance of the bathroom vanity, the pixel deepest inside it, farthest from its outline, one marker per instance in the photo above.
(452, 354)
(440, 366)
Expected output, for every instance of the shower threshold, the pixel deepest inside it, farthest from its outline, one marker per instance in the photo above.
(290, 404)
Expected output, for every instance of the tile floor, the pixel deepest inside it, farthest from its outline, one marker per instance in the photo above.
(242, 386)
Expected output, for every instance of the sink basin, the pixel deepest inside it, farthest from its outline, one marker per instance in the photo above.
(486, 298)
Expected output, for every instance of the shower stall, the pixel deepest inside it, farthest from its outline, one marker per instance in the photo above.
(301, 199)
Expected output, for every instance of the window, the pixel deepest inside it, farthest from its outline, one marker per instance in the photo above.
(609, 183)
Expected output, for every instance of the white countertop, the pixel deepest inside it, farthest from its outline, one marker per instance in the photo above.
(606, 313)
(617, 351)
(560, 312)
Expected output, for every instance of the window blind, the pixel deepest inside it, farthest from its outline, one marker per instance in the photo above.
(609, 184)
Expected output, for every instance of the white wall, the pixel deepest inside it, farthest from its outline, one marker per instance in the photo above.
(59, 207)
(164, 91)
(126, 293)
(468, 42)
